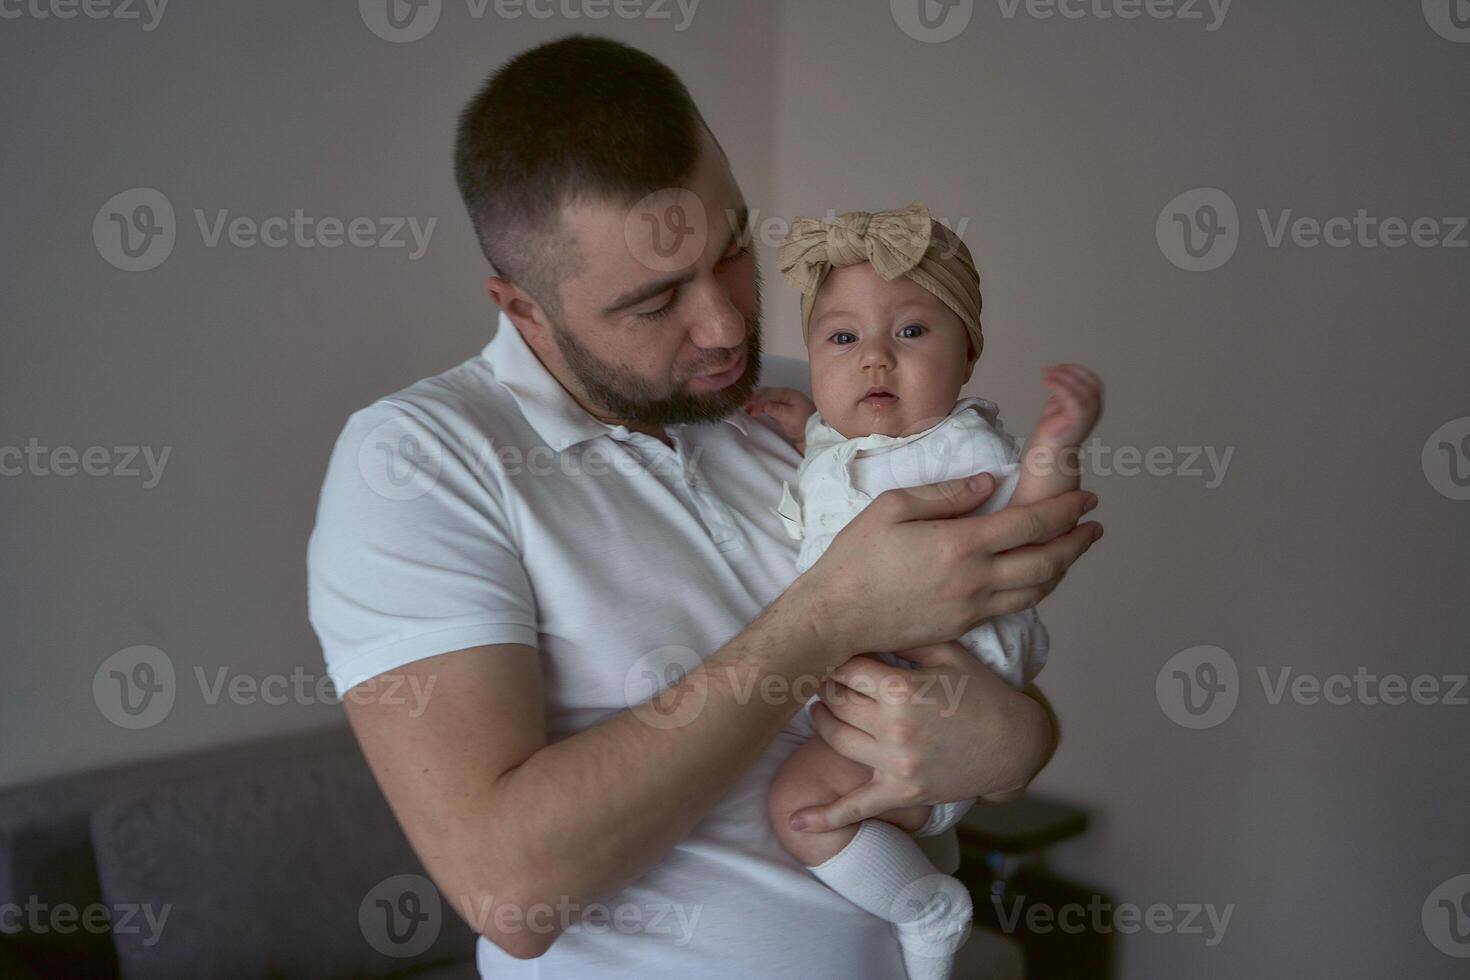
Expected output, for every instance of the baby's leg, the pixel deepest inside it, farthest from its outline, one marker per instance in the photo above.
(875, 865)
(815, 775)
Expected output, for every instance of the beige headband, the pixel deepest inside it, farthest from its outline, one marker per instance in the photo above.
(897, 243)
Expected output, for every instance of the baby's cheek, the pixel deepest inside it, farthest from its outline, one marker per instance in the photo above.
(825, 392)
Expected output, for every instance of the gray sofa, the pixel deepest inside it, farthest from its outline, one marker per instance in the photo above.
(278, 858)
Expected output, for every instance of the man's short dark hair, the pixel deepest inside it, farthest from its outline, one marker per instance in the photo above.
(578, 118)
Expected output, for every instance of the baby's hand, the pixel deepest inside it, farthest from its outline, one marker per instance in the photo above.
(1073, 408)
(788, 407)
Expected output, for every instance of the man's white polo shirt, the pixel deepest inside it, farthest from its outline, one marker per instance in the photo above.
(485, 506)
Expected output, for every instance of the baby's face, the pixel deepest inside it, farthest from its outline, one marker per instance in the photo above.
(868, 333)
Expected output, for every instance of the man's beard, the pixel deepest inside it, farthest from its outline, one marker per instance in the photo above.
(621, 394)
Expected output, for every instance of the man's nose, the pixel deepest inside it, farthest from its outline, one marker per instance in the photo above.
(719, 324)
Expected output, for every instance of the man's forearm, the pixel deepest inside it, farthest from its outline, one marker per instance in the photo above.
(585, 815)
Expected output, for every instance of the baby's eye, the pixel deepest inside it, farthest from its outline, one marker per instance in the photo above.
(918, 329)
(836, 337)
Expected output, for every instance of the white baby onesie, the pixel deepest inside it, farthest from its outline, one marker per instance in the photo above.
(840, 476)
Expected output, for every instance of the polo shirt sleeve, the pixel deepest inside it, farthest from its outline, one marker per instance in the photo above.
(413, 553)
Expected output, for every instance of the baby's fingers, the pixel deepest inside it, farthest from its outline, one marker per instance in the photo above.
(1085, 379)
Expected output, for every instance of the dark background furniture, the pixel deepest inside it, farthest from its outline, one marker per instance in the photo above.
(280, 858)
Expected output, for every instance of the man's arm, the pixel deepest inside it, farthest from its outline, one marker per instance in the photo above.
(501, 818)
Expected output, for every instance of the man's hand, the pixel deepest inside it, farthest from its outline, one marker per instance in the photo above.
(900, 575)
(788, 407)
(950, 729)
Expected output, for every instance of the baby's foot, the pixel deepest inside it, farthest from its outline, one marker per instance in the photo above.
(932, 919)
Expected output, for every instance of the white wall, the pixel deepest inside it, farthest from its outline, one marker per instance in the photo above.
(1325, 548)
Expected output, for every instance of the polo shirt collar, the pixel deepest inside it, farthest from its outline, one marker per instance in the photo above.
(546, 405)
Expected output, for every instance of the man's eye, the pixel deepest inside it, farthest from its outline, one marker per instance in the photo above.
(739, 253)
(918, 327)
(662, 311)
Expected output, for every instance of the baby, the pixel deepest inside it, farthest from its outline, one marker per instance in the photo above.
(891, 314)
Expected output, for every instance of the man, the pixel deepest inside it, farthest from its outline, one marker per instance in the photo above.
(545, 535)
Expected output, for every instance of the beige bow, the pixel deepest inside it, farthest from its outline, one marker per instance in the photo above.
(894, 241)
(897, 243)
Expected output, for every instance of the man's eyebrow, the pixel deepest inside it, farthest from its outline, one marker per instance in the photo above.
(647, 291)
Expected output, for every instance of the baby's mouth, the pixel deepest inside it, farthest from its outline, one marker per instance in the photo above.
(879, 397)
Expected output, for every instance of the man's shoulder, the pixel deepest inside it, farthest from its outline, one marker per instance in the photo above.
(461, 401)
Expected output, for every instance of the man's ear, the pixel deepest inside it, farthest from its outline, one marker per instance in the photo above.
(522, 309)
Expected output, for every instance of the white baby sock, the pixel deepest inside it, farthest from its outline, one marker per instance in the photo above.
(882, 871)
(943, 816)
